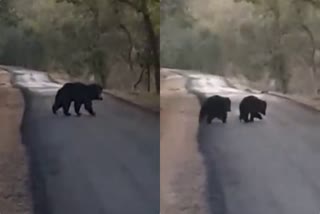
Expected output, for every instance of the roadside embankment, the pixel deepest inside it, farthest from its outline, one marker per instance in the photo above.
(15, 197)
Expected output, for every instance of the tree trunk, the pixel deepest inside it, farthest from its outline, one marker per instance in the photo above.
(153, 41)
(127, 32)
(98, 56)
(139, 79)
(279, 58)
(148, 78)
(313, 55)
(154, 44)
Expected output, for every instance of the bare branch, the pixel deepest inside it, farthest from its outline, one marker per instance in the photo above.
(132, 5)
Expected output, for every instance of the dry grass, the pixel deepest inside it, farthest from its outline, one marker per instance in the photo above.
(14, 195)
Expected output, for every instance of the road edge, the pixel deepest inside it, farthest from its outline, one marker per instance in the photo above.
(22, 152)
(129, 102)
(301, 103)
(38, 186)
(176, 178)
(278, 95)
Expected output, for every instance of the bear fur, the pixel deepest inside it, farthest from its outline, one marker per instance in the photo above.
(80, 94)
(252, 107)
(215, 107)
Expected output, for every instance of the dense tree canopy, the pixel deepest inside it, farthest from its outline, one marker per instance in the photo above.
(260, 39)
(102, 39)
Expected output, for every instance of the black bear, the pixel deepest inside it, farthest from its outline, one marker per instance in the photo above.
(80, 94)
(252, 107)
(215, 107)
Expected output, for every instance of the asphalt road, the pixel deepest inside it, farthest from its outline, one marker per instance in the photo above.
(266, 167)
(108, 164)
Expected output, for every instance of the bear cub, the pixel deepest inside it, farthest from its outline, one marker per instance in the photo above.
(215, 107)
(80, 94)
(252, 107)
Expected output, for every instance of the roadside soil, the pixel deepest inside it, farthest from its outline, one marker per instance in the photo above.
(15, 197)
(182, 189)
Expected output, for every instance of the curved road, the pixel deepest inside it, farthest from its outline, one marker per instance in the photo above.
(267, 167)
(108, 164)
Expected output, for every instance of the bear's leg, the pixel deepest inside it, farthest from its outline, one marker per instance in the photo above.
(88, 107)
(54, 110)
(240, 117)
(210, 118)
(66, 107)
(251, 116)
(257, 115)
(77, 106)
(224, 117)
(55, 107)
(246, 117)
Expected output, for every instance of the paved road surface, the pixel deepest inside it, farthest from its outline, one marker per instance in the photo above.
(107, 164)
(268, 167)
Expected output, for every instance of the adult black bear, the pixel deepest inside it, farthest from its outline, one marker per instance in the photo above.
(215, 107)
(80, 94)
(252, 107)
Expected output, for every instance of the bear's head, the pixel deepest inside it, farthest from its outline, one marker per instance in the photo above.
(263, 107)
(95, 91)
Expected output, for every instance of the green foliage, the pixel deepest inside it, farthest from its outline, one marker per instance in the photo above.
(16, 49)
(81, 37)
(272, 39)
(189, 49)
(184, 45)
(8, 14)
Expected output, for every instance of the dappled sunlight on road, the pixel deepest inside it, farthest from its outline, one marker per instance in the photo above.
(210, 85)
(197, 82)
(35, 81)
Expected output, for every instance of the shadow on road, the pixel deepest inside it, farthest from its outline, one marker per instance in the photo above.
(39, 193)
(214, 193)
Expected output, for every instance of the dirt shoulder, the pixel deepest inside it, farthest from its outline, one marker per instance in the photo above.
(182, 189)
(148, 101)
(15, 197)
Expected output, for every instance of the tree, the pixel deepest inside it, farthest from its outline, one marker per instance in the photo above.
(144, 7)
(8, 14)
(97, 55)
(301, 8)
(278, 60)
